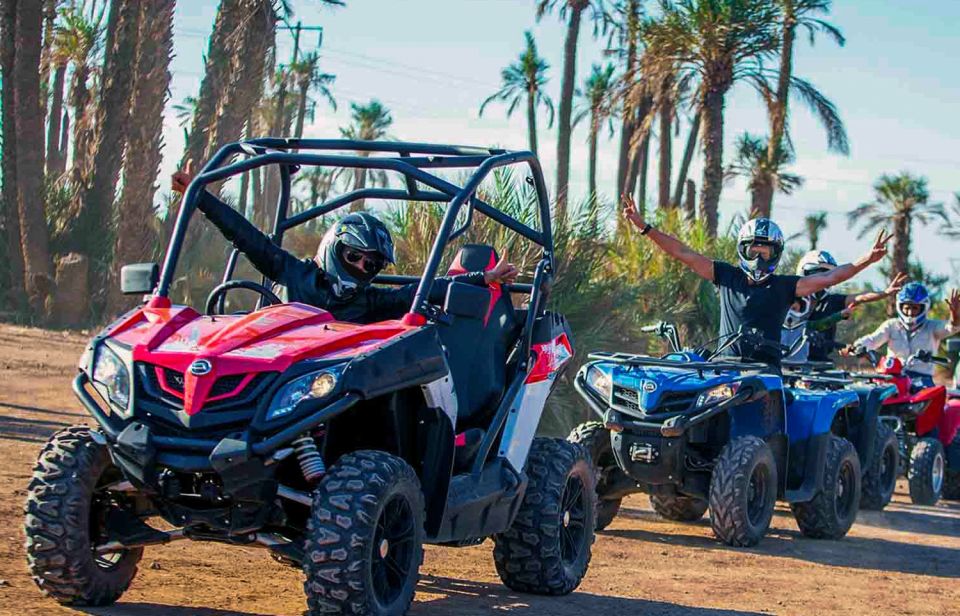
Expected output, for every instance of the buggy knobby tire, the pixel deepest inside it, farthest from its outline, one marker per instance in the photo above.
(62, 513)
(880, 477)
(679, 508)
(951, 480)
(364, 543)
(547, 549)
(596, 440)
(832, 511)
(925, 475)
(743, 491)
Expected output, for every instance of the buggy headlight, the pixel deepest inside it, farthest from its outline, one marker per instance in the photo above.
(599, 381)
(110, 371)
(311, 386)
(918, 408)
(718, 394)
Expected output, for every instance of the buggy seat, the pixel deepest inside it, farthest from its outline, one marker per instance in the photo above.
(477, 350)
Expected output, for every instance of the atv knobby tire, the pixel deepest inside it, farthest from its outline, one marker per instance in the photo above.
(743, 491)
(880, 477)
(679, 508)
(951, 478)
(596, 440)
(60, 500)
(832, 511)
(925, 475)
(547, 549)
(366, 498)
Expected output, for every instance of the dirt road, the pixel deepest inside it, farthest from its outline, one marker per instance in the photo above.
(905, 560)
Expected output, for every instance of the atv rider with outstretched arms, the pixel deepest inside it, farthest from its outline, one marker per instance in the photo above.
(752, 295)
(912, 332)
(338, 278)
(817, 316)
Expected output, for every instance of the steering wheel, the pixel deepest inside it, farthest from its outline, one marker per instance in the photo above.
(223, 288)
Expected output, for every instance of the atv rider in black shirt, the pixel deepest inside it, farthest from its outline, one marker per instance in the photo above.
(752, 295)
(338, 279)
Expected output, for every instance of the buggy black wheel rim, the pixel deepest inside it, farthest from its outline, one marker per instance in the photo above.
(573, 513)
(845, 491)
(393, 550)
(757, 494)
(888, 466)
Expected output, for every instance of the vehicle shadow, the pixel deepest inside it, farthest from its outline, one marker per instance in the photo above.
(852, 552)
(40, 409)
(930, 521)
(28, 430)
(466, 598)
(161, 609)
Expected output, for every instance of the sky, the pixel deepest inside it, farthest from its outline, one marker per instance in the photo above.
(432, 62)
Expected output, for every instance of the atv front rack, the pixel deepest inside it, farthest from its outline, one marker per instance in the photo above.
(700, 366)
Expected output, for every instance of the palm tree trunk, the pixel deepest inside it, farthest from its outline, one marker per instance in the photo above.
(49, 16)
(79, 102)
(666, 150)
(532, 122)
(565, 112)
(592, 163)
(360, 182)
(713, 157)
(761, 196)
(301, 108)
(136, 235)
(628, 125)
(778, 111)
(54, 164)
(690, 201)
(9, 215)
(92, 214)
(643, 163)
(687, 157)
(29, 158)
(901, 251)
(258, 205)
(64, 144)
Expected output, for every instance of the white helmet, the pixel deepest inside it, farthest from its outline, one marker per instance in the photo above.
(761, 231)
(798, 317)
(816, 262)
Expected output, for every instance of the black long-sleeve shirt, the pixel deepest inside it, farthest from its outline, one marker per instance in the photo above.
(306, 282)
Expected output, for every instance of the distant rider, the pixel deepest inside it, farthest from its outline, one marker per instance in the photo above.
(338, 278)
(752, 295)
(817, 316)
(912, 332)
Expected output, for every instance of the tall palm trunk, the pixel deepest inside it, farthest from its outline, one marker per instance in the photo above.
(49, 16)
(592, 163)
(29, 157)
(136, 235)
(532, 121)
(761, 195)
(643, 164)
(778, 109)
(359, 183)
(687, 157)
(627, 127)
(92, 213)
(9, 215)
(713, 100)
(301, 108)
(564, 113)
(55, 162)
(690, 201)
(902, 223)
(666, 146)
(82, 129)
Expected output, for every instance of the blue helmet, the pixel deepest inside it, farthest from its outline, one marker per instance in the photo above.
(913, 303)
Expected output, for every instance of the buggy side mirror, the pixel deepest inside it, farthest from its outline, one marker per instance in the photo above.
(139, 278)
(467, 300)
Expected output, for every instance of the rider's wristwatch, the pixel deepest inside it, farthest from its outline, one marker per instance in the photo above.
(646, 228)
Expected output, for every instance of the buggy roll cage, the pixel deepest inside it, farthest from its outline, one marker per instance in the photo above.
(412, 160)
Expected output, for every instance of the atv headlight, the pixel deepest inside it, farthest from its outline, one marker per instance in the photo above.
(599, 381)
(918, 408)
(718, 394)
(311, 386)
(110, 371)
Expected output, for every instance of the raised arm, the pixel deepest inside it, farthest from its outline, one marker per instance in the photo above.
(856, 299)
(953, 326)
(808, 285)
(700, 264)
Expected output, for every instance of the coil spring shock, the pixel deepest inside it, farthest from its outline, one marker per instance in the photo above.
(311, 463)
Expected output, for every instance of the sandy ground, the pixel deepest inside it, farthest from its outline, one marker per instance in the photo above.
(905, 560)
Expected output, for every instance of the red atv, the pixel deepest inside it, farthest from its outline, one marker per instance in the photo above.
(341, 448)
(927, 426)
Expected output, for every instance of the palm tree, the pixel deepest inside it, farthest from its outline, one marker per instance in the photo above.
(814, 225)
(716, 42)
(136, 217)
(12, 257)
(525, 79)
(665, 111)
(899, 201)
(751, 163)
(625, 18)
(28, 124)
(594, 98)
(306, 75)
(798, 13)
(572, 11)
(184, 112)
(369, 123)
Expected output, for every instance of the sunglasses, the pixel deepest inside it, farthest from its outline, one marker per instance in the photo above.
(367, 262)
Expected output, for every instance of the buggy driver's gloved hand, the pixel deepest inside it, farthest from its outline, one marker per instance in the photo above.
(503, 272)
(181, 178)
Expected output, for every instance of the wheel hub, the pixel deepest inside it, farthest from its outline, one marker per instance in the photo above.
(566, 519)
(937, 473)
(384, 548)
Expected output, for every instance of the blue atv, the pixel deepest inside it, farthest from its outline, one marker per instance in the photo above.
(695, 429)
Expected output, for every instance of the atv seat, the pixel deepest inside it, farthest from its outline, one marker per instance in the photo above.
(477, 349)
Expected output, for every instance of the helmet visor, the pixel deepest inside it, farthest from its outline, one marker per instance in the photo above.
(758, 250)
(362, 264)
(910, 309)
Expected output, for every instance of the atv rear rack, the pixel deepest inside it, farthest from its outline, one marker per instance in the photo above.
(700, 366)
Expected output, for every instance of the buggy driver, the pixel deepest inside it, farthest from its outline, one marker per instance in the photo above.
(752, 295)
(338, 278)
